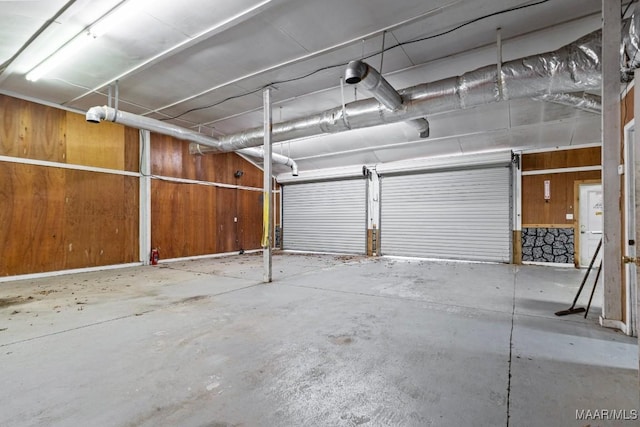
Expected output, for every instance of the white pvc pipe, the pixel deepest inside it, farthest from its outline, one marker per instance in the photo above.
(97, 114)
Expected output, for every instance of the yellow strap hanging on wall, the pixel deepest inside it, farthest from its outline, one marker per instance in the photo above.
(265, 220)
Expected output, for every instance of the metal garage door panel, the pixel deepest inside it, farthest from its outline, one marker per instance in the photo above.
(455, 215)
(327, 216)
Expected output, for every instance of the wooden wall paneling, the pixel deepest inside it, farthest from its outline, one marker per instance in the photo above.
(9, 127)
(131, 235)
(578, 157)
(517, 247)
(171, 157)
(226, 229)
(131, 149)
(195, 197)
(253, 175)
(167, 222)
(223, 166)
(208, 220)
(32, 130)
(191, 239)
(32, 217)
(534, 208)
(584, 157)
(183, 218)
(95, 221)
(100, 145)
(537, 210)
(250, 219)
(626, 108)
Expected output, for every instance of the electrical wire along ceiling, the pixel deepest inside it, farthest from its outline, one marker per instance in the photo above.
(202, 65)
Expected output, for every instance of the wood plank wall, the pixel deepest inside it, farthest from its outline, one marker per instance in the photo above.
(537, 211)
(56, 219)
(191, 219)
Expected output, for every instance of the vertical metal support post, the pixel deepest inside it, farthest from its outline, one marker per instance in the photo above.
(117, 98)
(267, 241)
(145, 196)
(499, 62)
(611, 149)
(517, 207)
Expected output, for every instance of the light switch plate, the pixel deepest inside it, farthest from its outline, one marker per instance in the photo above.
(569, 216)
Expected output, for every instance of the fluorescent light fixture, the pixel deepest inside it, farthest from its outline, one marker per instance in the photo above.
(58, 57)
(112, 19)
(129, 9)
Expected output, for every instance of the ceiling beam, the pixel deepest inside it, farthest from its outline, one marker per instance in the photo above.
(475, 58)
(173, 50)
(308, 56)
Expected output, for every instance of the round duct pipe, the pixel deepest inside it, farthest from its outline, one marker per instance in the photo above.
(355, 72)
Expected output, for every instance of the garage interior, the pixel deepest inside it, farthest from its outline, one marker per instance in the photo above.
(286, 212)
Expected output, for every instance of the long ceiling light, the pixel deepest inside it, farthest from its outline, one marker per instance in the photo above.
(103, 25)
(59, 56)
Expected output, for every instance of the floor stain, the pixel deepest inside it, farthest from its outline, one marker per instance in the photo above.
(341, 339)
(8, 302)
(195, 298)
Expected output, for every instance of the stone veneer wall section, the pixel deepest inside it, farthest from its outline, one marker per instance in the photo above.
(548, 245)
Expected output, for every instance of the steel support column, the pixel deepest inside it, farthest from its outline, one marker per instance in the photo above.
(145, 196)
(267, 241)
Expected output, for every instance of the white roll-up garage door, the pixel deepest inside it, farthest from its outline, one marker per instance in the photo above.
(328, 216)
(460, 214)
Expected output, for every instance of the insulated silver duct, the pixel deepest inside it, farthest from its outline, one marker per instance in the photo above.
(258, 152)
(572, 68)
(97, 114)
(359, 72)
(583, 101)
(630, 48)
(369, 78)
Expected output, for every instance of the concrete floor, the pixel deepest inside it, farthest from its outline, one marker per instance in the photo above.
(335, 341)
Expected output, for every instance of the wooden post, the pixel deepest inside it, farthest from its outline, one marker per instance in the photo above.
(611, 149)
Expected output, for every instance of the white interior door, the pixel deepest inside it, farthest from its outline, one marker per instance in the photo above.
(630, 222)
(590, 222)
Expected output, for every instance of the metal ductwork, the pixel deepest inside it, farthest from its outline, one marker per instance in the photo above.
(630, 48)
(572, 68)
(97, 114)
(258, 152)
(582, 100)
(359, 72)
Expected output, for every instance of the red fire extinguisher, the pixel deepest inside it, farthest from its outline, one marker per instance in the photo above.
(155, 256)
